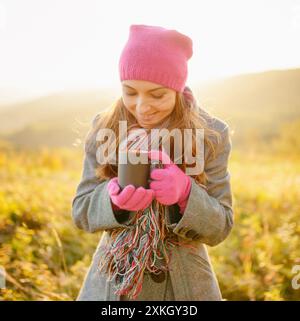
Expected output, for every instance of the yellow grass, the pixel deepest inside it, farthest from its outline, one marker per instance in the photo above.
(46, 256)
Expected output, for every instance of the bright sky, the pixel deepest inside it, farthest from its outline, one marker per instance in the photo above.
(65, 44)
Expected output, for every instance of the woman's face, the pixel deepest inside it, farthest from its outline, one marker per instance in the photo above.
(150, 103)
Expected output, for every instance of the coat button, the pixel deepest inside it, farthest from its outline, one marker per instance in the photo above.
(158, 278)
(182, 230)
(196, 237)
(191, 234)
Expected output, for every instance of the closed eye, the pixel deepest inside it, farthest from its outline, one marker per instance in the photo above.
(156, 97)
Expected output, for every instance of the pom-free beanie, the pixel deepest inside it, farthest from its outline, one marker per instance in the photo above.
(156, 54)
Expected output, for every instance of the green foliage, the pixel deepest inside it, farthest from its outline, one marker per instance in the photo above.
(255, 262)
(46, 256)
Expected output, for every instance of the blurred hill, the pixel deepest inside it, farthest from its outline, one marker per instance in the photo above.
(56, 120)
(10, 96)
(256, 106)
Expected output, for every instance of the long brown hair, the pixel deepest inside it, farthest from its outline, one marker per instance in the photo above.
(186, 114)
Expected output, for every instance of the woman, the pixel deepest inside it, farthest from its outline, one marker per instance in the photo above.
(153, 72)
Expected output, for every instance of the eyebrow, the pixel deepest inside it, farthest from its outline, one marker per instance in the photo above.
(148, 90)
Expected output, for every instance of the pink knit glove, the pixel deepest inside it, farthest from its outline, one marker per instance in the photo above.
(170, 184)
(130, 198)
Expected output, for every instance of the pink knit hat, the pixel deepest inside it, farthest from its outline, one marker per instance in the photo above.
(156, 54)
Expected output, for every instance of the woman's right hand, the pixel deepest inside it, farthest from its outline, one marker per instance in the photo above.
(130, 198)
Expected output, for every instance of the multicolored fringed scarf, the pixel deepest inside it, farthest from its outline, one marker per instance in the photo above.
(145, 246)
(139, 248)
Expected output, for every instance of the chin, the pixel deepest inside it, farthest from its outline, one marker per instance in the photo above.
(149, 125)
(146, 125)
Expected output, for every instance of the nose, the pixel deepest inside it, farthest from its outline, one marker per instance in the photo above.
(143, 106)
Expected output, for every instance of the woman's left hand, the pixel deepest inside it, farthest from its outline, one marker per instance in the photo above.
(170, 184)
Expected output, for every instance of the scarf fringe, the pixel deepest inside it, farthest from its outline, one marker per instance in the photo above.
(138, 249)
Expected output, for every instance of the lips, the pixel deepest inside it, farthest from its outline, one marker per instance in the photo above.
(147, 117)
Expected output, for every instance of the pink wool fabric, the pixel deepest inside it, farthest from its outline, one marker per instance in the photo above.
(170, 184)
(130, 198)
(156, 54)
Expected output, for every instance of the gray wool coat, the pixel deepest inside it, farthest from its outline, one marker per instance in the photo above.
(207, 220)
